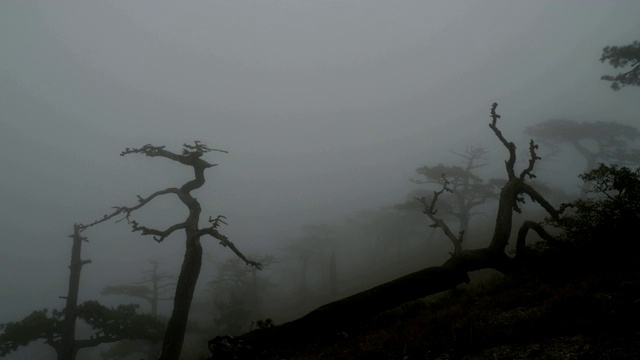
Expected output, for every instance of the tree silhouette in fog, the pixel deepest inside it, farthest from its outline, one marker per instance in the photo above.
(191, 156)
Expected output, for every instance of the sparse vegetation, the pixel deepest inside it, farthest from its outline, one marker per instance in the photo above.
(332, 109)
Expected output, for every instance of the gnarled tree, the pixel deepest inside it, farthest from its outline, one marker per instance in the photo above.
(191, 156)
(354, 309)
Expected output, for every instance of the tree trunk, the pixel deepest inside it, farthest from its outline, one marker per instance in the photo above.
(174, 336)
(67, 348)
(338, 316)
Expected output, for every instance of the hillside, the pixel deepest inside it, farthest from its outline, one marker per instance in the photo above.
(590, 312)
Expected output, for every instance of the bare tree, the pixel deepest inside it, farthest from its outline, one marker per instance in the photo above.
(191, 156)
(361, 306)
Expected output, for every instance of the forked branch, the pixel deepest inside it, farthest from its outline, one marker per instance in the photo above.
(431, 211)
(509, 145)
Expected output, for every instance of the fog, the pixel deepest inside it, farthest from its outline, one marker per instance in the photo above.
(326, 110)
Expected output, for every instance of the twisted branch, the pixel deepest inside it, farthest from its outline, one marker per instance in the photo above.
(224, 241)
(431, 211)
(509, 145)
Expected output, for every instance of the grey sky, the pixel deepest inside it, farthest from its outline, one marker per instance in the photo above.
(325, 107)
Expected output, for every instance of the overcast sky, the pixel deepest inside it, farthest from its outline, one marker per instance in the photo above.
(325, 107)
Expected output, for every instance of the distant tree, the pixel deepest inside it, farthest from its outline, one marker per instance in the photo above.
(597, 142)
(59, 329)
(626, 56)
(324, 236)
(312, 247)
(153, 288)
(235, 277)
(191, 156)
(466, 190)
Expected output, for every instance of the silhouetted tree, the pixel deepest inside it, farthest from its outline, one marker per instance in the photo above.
(59, 329)
(359, 307)
(606, 142)
(191, 156)
(608, 212)
(626, 56)
(467, 190)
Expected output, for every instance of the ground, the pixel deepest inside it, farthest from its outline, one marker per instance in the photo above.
(588, 312)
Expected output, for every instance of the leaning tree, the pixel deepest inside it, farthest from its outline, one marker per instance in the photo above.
(352, 310)
(191, 156)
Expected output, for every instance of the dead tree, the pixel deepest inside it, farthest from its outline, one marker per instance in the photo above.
(68, 347)
(190, 156)
(59, 330)
(341, 314)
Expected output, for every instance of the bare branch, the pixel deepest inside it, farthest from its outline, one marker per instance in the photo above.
(532, 161)
(471, 154)
(215, 223)
(509, 145)
(198, 149)
(190, 154)
(522, 235)
(118, 210)
(430, 211)
(536, 197)
(158, 235)
(224, 241)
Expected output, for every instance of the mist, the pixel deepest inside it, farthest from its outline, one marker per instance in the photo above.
(325, 108)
